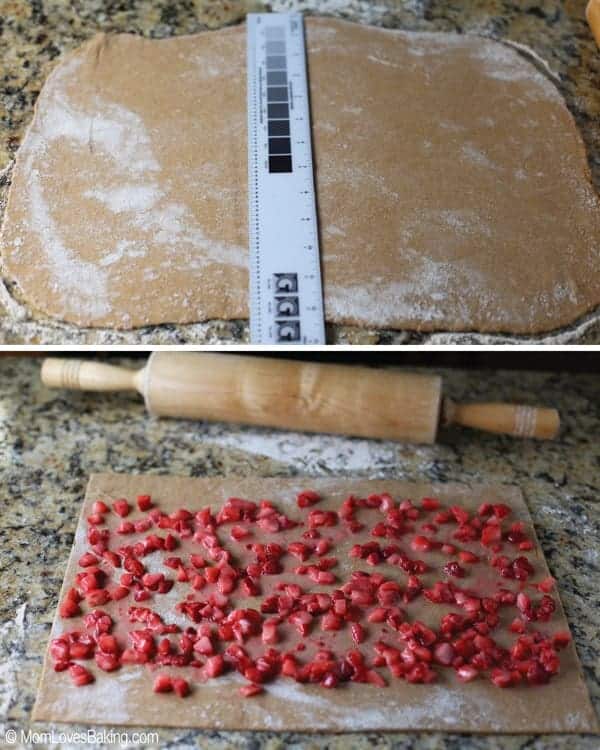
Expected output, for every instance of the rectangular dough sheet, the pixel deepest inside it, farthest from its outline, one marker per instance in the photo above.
(126, 697)
(452, 185)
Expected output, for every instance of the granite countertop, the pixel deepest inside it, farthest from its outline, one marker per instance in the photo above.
(34, 34)
(50, 442)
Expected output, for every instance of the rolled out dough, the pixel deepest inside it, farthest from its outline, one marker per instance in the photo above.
(453, 189)
(126, 697)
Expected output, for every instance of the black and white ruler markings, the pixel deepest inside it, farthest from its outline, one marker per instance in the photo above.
(286, 296)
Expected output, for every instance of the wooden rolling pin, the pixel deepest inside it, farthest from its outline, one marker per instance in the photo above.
(306, 396)
(592, 13)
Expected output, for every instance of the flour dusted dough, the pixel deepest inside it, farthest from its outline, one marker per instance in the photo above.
(126, 697)
(452, 184)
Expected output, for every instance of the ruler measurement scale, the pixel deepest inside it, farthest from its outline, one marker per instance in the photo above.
(286, 298)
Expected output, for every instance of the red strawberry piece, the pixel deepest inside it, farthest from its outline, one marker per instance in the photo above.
(144, 502)
(181, 687)
(121, 508)
(80, 675)
(307, 498)
(214, 666)
(250, 690)
(163, 684)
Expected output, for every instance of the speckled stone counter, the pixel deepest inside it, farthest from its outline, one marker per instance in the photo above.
(51, 442)
(34, 34)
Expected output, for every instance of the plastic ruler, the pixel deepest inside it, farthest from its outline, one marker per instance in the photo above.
(286, 295)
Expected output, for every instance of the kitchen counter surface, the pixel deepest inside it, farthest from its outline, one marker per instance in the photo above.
(50, 442)
(33, 35)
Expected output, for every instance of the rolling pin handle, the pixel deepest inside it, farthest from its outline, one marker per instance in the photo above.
(505, 419)
(592, 13)
(79, 375)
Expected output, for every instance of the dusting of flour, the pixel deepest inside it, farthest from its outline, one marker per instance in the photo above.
(82, 286)
(443, 707)
(109, 690)
(316, 454)
(119, 151)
